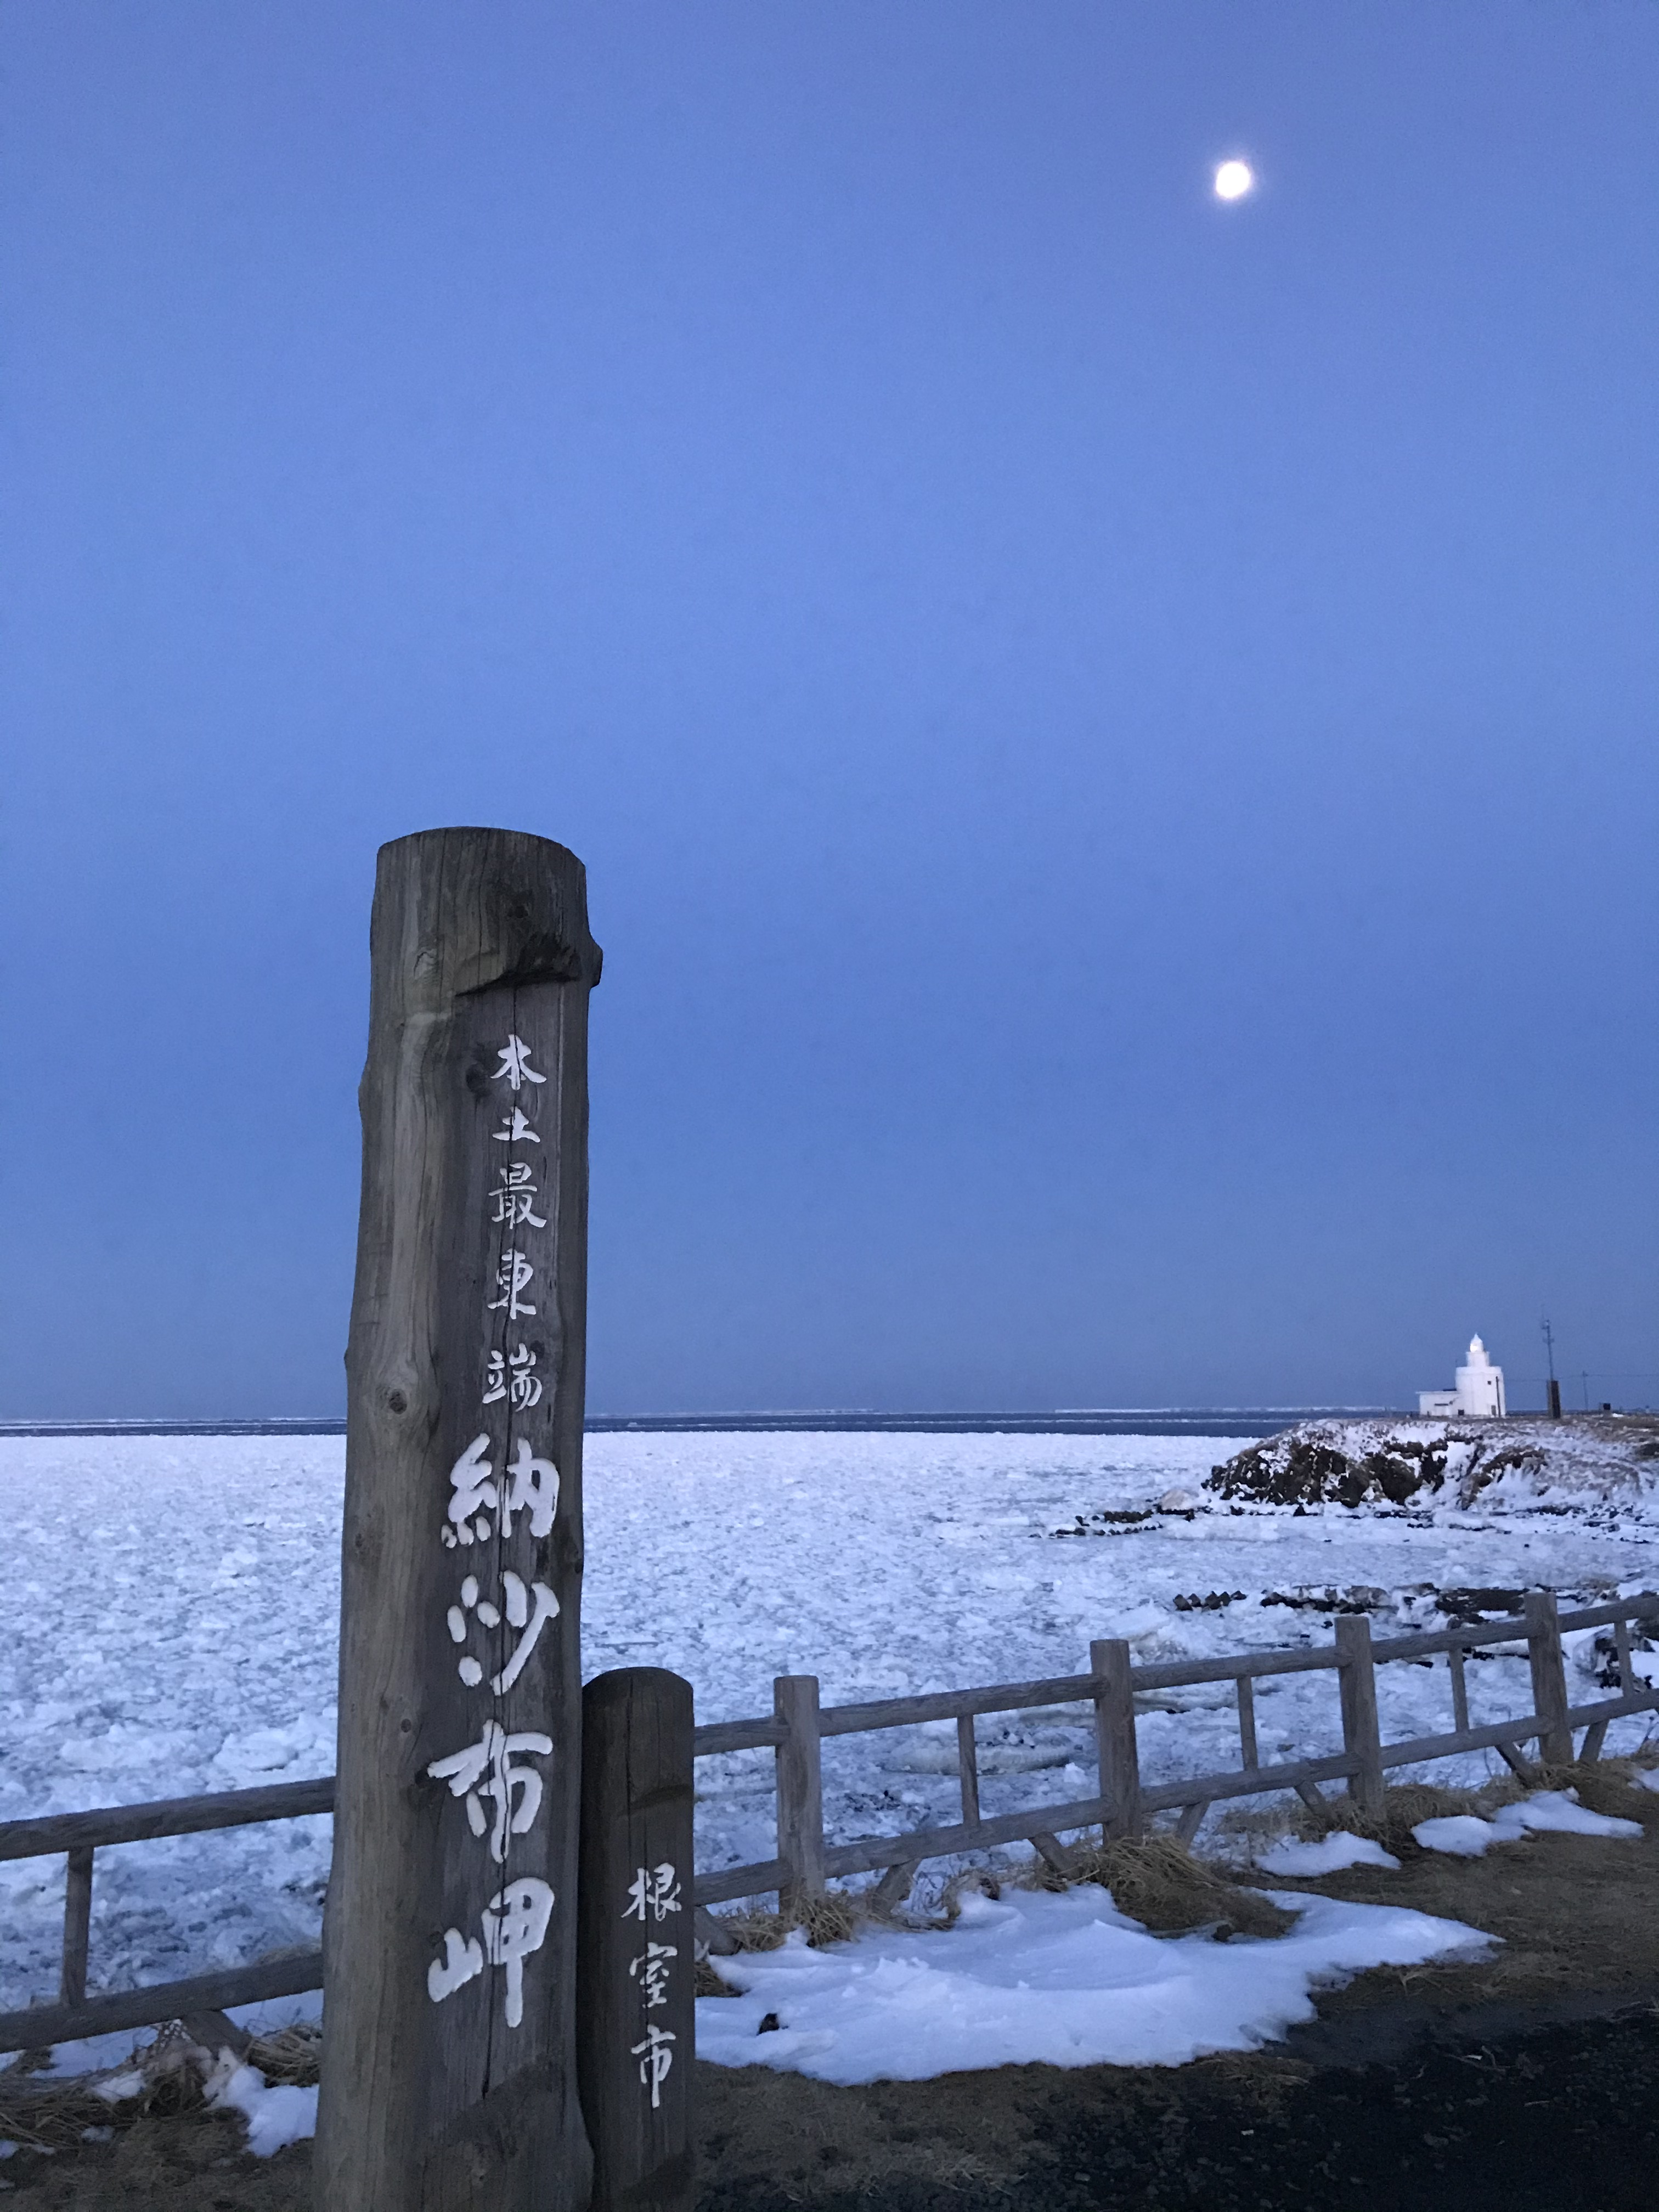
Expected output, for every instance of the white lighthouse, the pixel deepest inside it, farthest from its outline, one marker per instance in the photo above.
(1480, 1391)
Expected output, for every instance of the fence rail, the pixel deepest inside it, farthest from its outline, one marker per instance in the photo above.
(795, 1729)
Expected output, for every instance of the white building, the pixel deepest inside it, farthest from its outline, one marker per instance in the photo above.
(1479, 1390)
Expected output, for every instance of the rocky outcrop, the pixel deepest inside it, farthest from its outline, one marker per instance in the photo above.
(1454, 1462)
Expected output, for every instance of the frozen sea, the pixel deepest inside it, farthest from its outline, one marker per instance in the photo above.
(173, 1608)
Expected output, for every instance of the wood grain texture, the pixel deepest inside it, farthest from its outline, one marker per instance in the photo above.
(1549, 1677)
(950, 1705)
(1612, 1709)
(1459, 1688)
(164, 1816)
(1192, 1820)
(40, 2025)
(1116, 1748)
(478, 937)
(866, 1853)
(967, 1767)
(1522, 1768)
(1301, 1775)
(77, 1926)
(800, 1790)
(1247, 1748)
(1643, 1605)
(754, 1879)
(895, 1886)
(636, 1965)
(1361, 1738)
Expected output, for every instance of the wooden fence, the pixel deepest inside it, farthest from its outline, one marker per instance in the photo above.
(795, 1730)
(78, 1835)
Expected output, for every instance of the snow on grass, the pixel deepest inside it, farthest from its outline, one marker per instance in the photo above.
(174, 1615)
(1559, 1812)
(1552, 1811)
(1328, 1856)
(1061, 1980)
(275, 2118)
(1464, 1835)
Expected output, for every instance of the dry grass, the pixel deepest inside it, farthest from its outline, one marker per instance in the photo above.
(1156, 1881)
(1605, 1786)
(1153, 1879)
(835, 1917)
(55, 2114)
(1602, 1787)
(290, 2056)
(48, 2115)
(1403, 1807)
(43, 2114)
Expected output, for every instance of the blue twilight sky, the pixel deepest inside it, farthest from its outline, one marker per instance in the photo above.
(1112, 734)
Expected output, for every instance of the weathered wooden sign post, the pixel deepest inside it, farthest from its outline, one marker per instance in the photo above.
(449, 2072)
(637, 1964)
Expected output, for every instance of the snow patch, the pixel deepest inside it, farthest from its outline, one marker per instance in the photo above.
(1462, 1834)
(1328, 1856)
(1061, 1980)
(1556, 1811)
(1559, 1811)
(276, 2117)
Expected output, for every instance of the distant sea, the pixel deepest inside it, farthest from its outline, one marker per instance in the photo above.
(1067, 1421)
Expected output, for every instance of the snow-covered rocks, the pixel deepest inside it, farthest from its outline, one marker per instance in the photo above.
(1509, 1465)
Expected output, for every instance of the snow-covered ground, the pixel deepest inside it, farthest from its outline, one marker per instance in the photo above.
(172, 1627)
(1059, 1981)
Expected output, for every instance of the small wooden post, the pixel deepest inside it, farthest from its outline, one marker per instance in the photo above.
(449, 2072)
(1594, 1736)
(1116, 1748)
(1357, 1675)
(800, 1790)
(894, 1887)
(636, 1956)
(1549, 1678)
(1460, 1690)
(1192, 1816)
(1621, 1648)
(77, 1926)
(968, 1768)
(1247, 1722)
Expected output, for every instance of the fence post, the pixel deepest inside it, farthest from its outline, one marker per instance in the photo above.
(1549, 1678)
(78, 1925)
(1115, 1747)
(1356, 1681)
(635, 1950)
(449, 2074)
(800, 1790)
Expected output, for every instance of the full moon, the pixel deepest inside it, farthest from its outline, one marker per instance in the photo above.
(1233, 179)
